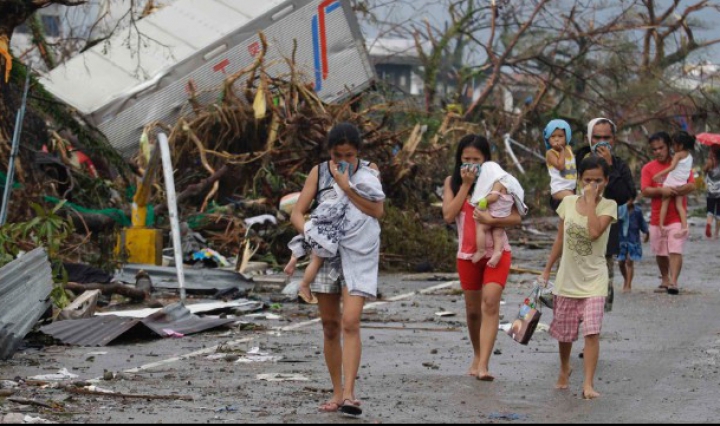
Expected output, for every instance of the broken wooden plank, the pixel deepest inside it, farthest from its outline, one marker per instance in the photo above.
(83, 391)
(82, 307)
(25, 401)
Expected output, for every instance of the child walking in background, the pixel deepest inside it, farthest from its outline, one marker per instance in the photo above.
(560, 161)
(493, 192)
(632, 222)
(581, 284)
(677, 175)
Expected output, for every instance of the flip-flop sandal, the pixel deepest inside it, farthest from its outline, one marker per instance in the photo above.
(349, 409)
(673, 290)
(660, 289)
(312, 300)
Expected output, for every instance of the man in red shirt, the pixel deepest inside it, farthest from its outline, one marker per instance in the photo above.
(668, 248)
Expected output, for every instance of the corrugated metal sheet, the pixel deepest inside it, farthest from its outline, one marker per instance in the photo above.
(102, 330)
(202, 279)
(25, 286)
(195, 308)
(95, 331)
(177, 317)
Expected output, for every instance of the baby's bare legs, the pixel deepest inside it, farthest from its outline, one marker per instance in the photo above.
(480, 230)
(562, 194)
(309, 276)
(291, 265)
(497, 234)
(683, 217)
(663, 214)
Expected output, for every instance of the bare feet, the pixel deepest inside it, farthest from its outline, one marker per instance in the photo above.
(564, 378)
(484, 376)
(477, 256)
(627, 289)
(589, 393)
(330, 406)
(290, 267)
(494, 259)
(474, 367)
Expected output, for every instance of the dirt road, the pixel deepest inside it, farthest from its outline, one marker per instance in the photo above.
(658, 362)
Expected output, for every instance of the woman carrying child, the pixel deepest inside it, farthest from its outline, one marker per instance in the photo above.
(482, 286)
(357, 278)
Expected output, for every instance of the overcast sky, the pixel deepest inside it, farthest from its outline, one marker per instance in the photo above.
(705, 25)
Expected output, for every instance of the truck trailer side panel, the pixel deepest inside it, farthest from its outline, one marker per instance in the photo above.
(120, 89)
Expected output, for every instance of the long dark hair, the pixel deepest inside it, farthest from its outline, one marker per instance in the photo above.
(475, 141)
(685, 139)
(344, 133)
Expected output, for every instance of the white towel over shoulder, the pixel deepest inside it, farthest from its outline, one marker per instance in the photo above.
(491, 172)
(337, 225)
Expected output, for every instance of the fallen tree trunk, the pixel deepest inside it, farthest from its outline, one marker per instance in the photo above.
(109, 289)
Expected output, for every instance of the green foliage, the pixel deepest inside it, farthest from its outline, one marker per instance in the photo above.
(536, 183)
(47, 229)
(409, 240)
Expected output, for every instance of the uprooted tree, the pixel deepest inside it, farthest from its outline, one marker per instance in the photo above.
(622, 62)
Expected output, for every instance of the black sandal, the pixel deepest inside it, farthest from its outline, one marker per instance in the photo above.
(347, 408)
(673, 290)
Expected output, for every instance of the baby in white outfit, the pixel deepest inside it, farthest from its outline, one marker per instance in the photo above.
(678, 174)
(499, 204)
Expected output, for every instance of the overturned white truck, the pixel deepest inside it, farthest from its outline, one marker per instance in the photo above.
(120, 88)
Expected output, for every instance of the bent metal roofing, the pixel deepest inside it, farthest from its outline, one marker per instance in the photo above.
(102, 330)
(25, 286)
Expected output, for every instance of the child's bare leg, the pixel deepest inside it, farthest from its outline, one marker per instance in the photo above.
(565, 367)
(628, 275)
(683, 217)
(592, 352)
(309, 276)
(480, 230)
(663, 213)
(497, 234)
(291, 265)
(562, 194)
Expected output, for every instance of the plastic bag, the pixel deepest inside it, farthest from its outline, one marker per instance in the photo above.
(545, 296)
(527, 319)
